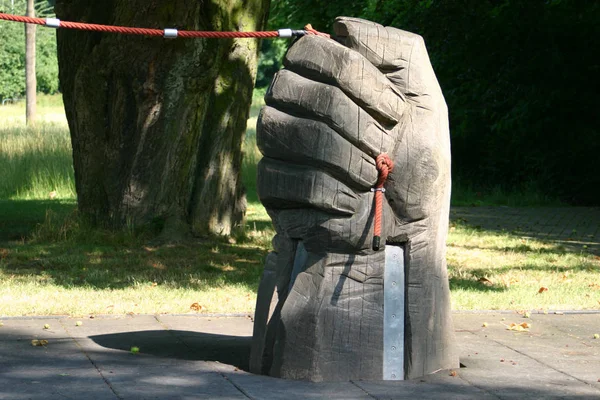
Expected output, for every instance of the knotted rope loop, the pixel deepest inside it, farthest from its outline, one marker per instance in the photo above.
(312, 31)
(384, 165)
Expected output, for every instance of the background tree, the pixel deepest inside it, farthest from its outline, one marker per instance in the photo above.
(30, 78)
(157, 124)
(12, 52)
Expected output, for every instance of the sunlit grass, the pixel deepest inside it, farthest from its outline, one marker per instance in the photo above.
(49, 110)
(491, 270)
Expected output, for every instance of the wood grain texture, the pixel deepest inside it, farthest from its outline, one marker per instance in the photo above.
(329, 114)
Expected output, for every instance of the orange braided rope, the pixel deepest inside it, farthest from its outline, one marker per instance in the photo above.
(384, 165)
(170, 33)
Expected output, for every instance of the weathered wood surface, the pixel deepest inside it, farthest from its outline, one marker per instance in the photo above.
(329, 113)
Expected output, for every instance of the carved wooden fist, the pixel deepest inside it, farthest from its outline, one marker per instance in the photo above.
(335, 107)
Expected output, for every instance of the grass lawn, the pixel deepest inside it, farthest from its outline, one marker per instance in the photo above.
(51, 264)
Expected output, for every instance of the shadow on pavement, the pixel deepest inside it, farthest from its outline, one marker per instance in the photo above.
(184, 345)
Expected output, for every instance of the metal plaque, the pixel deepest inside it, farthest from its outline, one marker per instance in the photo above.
(393, 314)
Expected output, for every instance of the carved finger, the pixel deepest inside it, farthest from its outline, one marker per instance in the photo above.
(327, 61)
(309, 99)
(400, 55)
(284, 186)
(308, 142)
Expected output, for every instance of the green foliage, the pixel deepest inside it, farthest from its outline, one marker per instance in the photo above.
(269, 61)
(12, 60)
(521, 80)
(12, 52)
(319, 13)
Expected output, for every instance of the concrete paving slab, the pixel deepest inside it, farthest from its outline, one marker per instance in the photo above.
(264, 387)
(511, 374)
(59, 354)
(54, 383)
(108, 325)
(563, 342)
(438, 386)
(27, 329)
(238, 326)
(182, 382)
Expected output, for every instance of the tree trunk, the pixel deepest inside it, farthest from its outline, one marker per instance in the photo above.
(30, 78)
(157, 124)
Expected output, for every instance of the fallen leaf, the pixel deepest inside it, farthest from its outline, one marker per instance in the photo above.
(485, 324)
(46, 326)
(594, 286)
(453, 373)
(52, 194)
(3, 253)
(39, 343)
(522, 327)
(485, 281)
(78, 323)
(196, 307)
(543, 289)
(596, 336)
(135, 350)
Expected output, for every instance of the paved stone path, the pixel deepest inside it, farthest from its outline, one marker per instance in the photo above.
(190, 357)
(574, 228)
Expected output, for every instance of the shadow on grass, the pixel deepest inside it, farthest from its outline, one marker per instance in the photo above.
(579, 267)
(474, 285)
(18, 218)
(519, 248)
(565, 229)
(102, 260)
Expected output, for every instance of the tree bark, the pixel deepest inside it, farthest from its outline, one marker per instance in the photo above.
(156, 124)
(30, 78)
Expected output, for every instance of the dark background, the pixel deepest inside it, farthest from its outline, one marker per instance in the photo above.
(520, 78)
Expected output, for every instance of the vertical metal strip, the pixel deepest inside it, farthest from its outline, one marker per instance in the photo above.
(393, 314)
(299, 263)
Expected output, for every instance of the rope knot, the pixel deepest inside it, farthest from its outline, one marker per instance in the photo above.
(384, 165)
(312, 31)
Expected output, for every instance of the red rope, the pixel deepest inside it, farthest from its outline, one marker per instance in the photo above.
(153, 32)
(384, 165)
(19, 18)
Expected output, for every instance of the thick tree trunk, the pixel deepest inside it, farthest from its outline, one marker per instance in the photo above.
(157, 124)
(30, 78)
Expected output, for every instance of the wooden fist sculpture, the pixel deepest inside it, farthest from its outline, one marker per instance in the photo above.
(338, 104)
